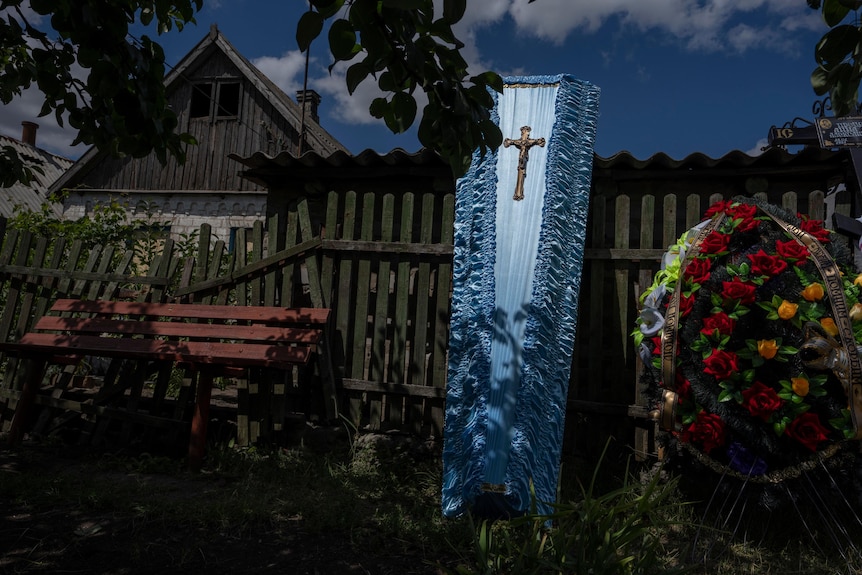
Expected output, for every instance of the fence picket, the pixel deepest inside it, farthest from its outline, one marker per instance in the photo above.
(379, 336)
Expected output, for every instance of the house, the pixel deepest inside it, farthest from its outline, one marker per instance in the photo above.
(229, 107)
(47, 169)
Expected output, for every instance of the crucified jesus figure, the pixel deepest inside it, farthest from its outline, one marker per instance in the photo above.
(523, 144)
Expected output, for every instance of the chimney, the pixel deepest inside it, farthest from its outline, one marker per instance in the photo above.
(310, 100)
(28, 133)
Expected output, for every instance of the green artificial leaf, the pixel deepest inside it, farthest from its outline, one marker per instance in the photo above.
(307, 29)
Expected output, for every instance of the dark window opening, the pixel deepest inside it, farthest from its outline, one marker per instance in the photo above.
(201, 100)
(232, 239)
(228, 100)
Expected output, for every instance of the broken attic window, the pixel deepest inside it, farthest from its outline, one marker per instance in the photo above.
(228, 100)
(201, 100)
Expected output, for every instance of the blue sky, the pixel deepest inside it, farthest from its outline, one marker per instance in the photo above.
(676, 76)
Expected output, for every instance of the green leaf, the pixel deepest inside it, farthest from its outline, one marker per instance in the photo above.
(379, 107)
(403, 112)
(453, 10)
(342, 40)
(405, 4)
(834, 12)
(493, 135)
(386, 82)
(356, 73)
(307, 29)
(327, 8)
(837, 45)
(493, 80)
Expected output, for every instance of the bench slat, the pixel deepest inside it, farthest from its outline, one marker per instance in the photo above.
(273, 335)
(199, 352)
(313, 316)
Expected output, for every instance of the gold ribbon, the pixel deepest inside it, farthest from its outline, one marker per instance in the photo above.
(667, 407)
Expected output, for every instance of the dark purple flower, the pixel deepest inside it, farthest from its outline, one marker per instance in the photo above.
(744, 461)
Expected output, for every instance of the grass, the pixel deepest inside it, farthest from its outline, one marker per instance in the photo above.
(382, 499)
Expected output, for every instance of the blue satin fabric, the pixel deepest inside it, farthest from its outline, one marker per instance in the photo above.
(517, 270)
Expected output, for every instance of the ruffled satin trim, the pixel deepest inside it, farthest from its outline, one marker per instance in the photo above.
(550, 330)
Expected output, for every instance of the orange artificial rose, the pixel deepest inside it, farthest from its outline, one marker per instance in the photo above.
(800, 386)
(787, 310)
(767, 348)
(813, 292)
(856, 312)
(829, 326)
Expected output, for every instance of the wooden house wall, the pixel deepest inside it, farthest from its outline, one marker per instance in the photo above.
(259, 127)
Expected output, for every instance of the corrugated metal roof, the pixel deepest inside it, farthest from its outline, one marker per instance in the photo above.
(772, 158)
(366, 159)
(32, 195)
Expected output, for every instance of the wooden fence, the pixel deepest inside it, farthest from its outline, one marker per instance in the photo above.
(382, 262)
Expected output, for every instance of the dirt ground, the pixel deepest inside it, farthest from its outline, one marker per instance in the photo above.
(84, 536)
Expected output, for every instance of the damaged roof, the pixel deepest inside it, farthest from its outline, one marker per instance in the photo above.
(32, 195)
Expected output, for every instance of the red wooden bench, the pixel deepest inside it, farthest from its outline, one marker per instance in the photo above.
(213, 339)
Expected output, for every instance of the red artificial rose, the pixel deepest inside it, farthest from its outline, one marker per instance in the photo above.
(746, 213)
(737, 289)
(721, 364)
(717, 208)
(814, 227)
(698, 270)
(760, 400)
(764, 264)
(656, 341)
(792, 250)
(714, 243)
(742, 211)
(807, 430)
(708, 431)
(718, 321)
(683, 387)
(685, 304)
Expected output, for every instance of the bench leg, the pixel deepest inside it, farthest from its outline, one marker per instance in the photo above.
(33, 372)
(198, 438)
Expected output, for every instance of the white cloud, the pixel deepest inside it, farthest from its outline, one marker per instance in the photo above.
(285, 71)
(349, 109)
(701, 25)
(758, 147)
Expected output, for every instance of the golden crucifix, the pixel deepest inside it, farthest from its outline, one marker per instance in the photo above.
(524, 144)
